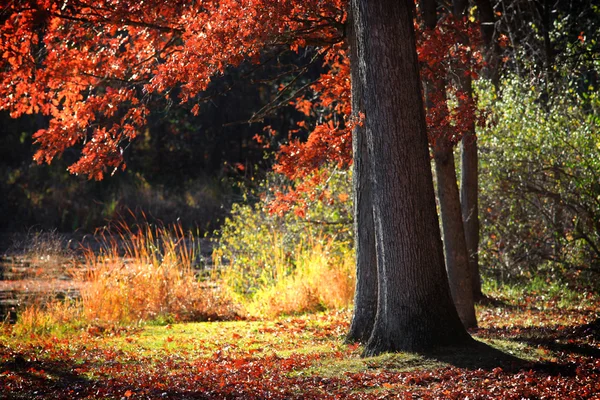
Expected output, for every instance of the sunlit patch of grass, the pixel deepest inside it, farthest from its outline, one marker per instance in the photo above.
(538, 302)
(540, 292)
(351, 362)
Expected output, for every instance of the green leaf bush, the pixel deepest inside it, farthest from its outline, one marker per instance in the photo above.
(540, 178)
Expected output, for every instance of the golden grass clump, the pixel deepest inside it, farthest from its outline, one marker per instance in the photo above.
(40, 318)
(148, 274)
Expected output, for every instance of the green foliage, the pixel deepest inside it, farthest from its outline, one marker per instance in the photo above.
(540, 180)
(264, 255)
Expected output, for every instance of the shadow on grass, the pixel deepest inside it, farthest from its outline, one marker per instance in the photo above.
(24, 379)
(488, 301)
(570, 341)
(576, 340)
(481, 356)
(60, 379)
(477, 355)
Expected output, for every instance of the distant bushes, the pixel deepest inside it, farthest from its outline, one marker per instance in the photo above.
(540, 180)
(45, 198)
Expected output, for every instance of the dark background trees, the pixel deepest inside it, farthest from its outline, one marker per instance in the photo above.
(185, 166)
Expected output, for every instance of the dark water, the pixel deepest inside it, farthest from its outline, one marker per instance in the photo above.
(24, 282)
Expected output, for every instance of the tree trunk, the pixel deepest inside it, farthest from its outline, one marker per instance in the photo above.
(469, 188)
(455, 246)
(491, 51)
(365, 297)
(453, 232)
(469, 176)
(414, 307)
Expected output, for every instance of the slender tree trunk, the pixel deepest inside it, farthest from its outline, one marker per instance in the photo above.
(469, 177)
(455, 246)
(469, 189)
(491, 49)
(453, 232)
(365, 297)
(414, 307)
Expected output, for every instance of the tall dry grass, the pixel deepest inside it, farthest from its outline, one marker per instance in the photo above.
(147, 274)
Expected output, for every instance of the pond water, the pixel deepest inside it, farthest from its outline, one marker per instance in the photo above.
(24, 281)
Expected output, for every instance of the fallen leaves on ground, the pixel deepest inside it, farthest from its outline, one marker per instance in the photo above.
(306, 358)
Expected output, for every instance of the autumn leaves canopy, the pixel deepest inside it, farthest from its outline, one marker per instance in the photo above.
(91, 67)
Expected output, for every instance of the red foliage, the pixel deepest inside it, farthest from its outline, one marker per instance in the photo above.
(91, 65)
(440, 54)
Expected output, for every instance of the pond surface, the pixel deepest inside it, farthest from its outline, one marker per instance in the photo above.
(37, 268)
(25, 281)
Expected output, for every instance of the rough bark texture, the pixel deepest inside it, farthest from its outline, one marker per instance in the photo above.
(365, 297)
(453, 232)
(469, 176)
(414, 309)
(455, 246)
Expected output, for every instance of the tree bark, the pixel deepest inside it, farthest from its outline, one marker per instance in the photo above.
(469, 177)
(453, 232)
(414, 307)
(469, 189)
(491, 51)
(365, 297)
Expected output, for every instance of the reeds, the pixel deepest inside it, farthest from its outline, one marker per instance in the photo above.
(148, 273)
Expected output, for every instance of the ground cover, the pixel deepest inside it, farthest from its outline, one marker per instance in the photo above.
(531, 344)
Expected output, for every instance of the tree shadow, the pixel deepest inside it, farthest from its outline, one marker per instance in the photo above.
(571, 340)
(488, 301)
(60, 379)
(44, 378)
(560, 338)
(477, 355)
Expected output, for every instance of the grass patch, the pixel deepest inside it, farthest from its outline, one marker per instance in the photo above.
(294, 357)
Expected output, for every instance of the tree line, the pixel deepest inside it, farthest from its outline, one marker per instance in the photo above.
(389, 98)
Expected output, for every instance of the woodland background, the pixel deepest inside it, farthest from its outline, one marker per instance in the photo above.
(212, 220)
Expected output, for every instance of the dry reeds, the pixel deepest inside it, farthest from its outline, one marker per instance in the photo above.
(148, 274)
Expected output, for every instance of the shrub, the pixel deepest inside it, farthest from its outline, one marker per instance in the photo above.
(278, 264)
(540, 175)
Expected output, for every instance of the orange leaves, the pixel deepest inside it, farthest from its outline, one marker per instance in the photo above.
(446, 51)
(100, 60)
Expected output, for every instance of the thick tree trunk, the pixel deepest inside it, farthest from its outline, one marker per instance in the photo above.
(455, 246)
(414, 309)
(365, 297)
(469, 176)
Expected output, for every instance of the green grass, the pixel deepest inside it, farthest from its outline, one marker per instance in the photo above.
(302, 356)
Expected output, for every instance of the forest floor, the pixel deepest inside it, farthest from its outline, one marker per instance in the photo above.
(530, 346)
